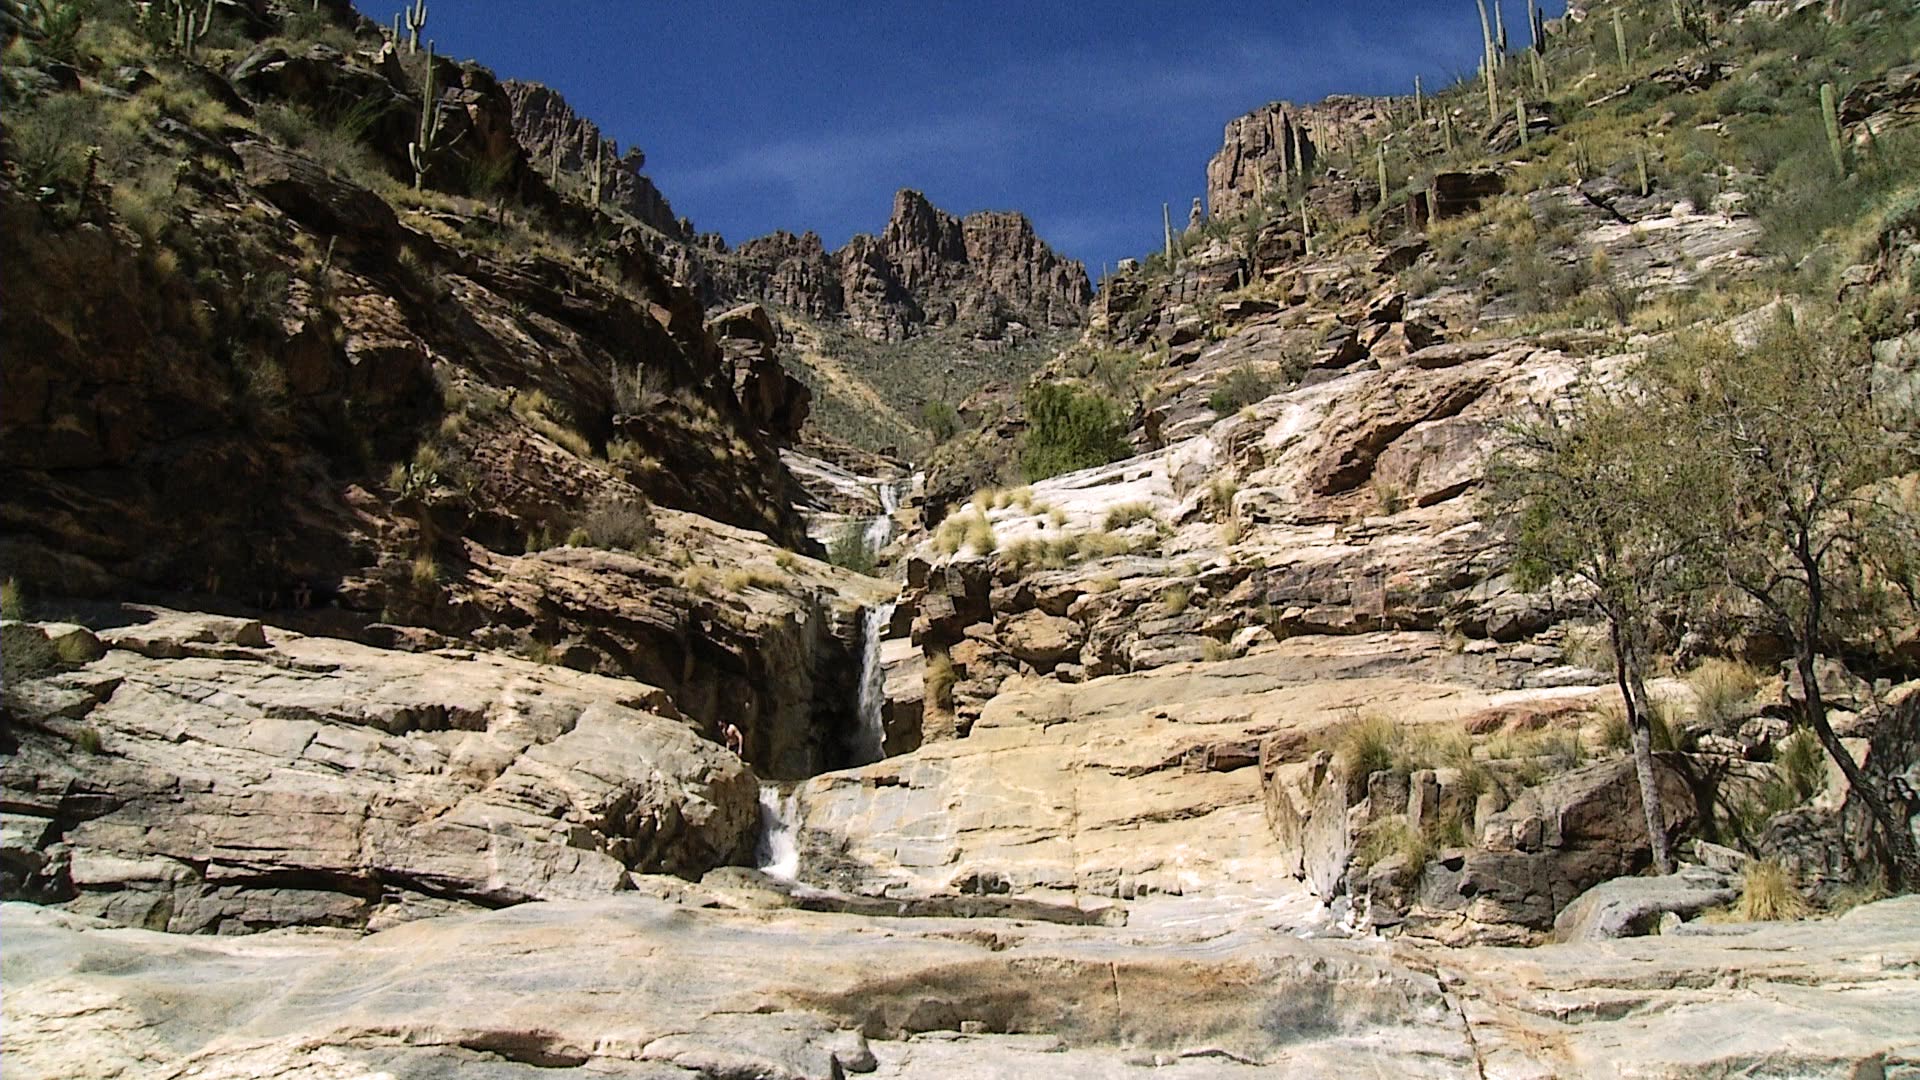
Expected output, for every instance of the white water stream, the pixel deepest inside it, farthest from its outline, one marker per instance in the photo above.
(872, 733)
(880, 530)
(778, 853)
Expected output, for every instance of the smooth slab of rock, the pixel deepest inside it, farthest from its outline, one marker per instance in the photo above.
(203, 776)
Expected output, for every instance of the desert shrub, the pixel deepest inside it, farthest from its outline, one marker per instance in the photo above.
(425, 571)
(941, 422)
(87, 741)
(1215, 651)
(13, 600)
(1070, 428)
(848, 548)
(620, 524)
(1244, 386)
(1720, 687)
(1768, 893)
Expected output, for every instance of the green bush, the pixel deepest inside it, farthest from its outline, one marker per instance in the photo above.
(849, 549)
(1242, 387)
(1070, 429)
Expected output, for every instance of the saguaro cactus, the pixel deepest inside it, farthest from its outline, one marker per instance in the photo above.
(1487, 65)
(1380, 153)
(1537, 29)
(1831, 114)
(416, 22)
(1166, 225)
(1520, 118)
(1620, 41)
(1419, 102)
(421, 151)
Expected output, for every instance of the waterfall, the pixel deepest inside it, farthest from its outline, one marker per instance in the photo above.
(880, 530)
(872, 736)
(777, 854)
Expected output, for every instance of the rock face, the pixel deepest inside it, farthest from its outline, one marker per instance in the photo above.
(1267, 151)
(205, 776)
(559, 142)
(645, 988)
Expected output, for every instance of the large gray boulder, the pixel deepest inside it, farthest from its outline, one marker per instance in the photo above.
(1632, 906)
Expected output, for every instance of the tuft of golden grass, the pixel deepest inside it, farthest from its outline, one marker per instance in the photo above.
(1768, 894)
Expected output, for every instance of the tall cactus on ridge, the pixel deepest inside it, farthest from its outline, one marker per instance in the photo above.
(416, 22)
(421, 151)
(1487, 65)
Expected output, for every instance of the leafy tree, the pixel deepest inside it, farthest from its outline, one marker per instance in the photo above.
(1068, 429)
(1796, 446)
(940, 420)
(1587, 496)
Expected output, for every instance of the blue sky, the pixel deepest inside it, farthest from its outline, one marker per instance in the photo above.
(809, 115)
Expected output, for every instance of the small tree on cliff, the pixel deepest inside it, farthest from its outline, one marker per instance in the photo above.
(1586, 496)
(1798, 448)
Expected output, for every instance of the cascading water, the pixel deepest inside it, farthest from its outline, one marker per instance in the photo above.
(778, 854)
(880, 530)
(871, 744)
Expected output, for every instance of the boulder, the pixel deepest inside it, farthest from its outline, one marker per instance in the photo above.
(1556, 841)
(309, 194)
(1633, 906)
(1041, 639)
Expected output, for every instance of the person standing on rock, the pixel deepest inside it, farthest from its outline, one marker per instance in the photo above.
(736, 742)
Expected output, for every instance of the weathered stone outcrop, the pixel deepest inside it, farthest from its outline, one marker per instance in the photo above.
(1268, 151)
(203, 775)
(561, 143)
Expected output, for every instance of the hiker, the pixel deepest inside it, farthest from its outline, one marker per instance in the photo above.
(736, 742)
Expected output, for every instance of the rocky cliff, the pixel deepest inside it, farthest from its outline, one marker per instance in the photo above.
(562, 143)
(1271, 151)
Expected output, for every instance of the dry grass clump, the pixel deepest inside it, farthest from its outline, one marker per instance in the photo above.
(425, 571)
(1213, 651)
(696, 577)
(1392, 836)
(969, 530)
(1368, 745)
(13, 600)
(1176, 599)
(1720, 687)
(543, 415)
(1768, 894)
(751, 577)
(1127, 515)
(939, 682)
